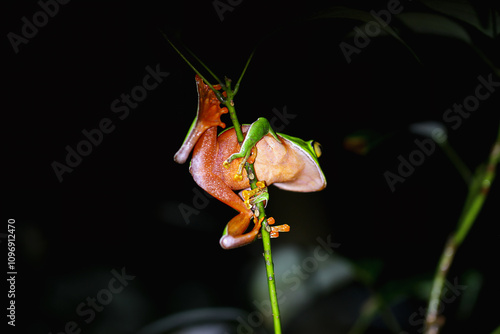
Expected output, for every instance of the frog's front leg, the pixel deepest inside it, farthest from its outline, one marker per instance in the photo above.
(256, 132)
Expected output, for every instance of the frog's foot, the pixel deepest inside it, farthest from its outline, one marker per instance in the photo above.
(274, 231)
(234, 234)
(209, 110)
(246, 157)
(257, 195)
(208, 115)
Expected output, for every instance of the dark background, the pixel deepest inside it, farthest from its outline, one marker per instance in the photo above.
(119, 208)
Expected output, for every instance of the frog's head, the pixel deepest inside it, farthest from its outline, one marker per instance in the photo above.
(311, 177)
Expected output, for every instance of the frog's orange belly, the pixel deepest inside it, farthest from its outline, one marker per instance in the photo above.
(269, 165)
(228, 145)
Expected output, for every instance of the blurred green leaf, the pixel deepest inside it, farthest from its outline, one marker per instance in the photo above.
(476, 25)
(341, 12)
(429, 23)
(482, 18)
(460, 20)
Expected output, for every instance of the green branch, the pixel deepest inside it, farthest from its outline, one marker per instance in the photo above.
(228, 101)
(478, 191)
(260, 213)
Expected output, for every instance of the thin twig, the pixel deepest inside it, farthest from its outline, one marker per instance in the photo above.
(478, 191)
(266, 238)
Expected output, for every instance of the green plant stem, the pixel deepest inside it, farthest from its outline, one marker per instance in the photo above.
(271, 281)
(478, 191)
(496, 331)
(266, 238)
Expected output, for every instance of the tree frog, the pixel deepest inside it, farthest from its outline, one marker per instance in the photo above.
(217, 165)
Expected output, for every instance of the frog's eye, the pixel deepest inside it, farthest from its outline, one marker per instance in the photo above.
(317, 148)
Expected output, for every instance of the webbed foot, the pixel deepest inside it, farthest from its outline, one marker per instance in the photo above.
(257, 195)
(274, 231)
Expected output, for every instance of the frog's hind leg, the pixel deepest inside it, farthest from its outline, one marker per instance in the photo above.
(201, 169)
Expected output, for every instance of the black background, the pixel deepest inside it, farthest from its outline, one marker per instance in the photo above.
(119, 208)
